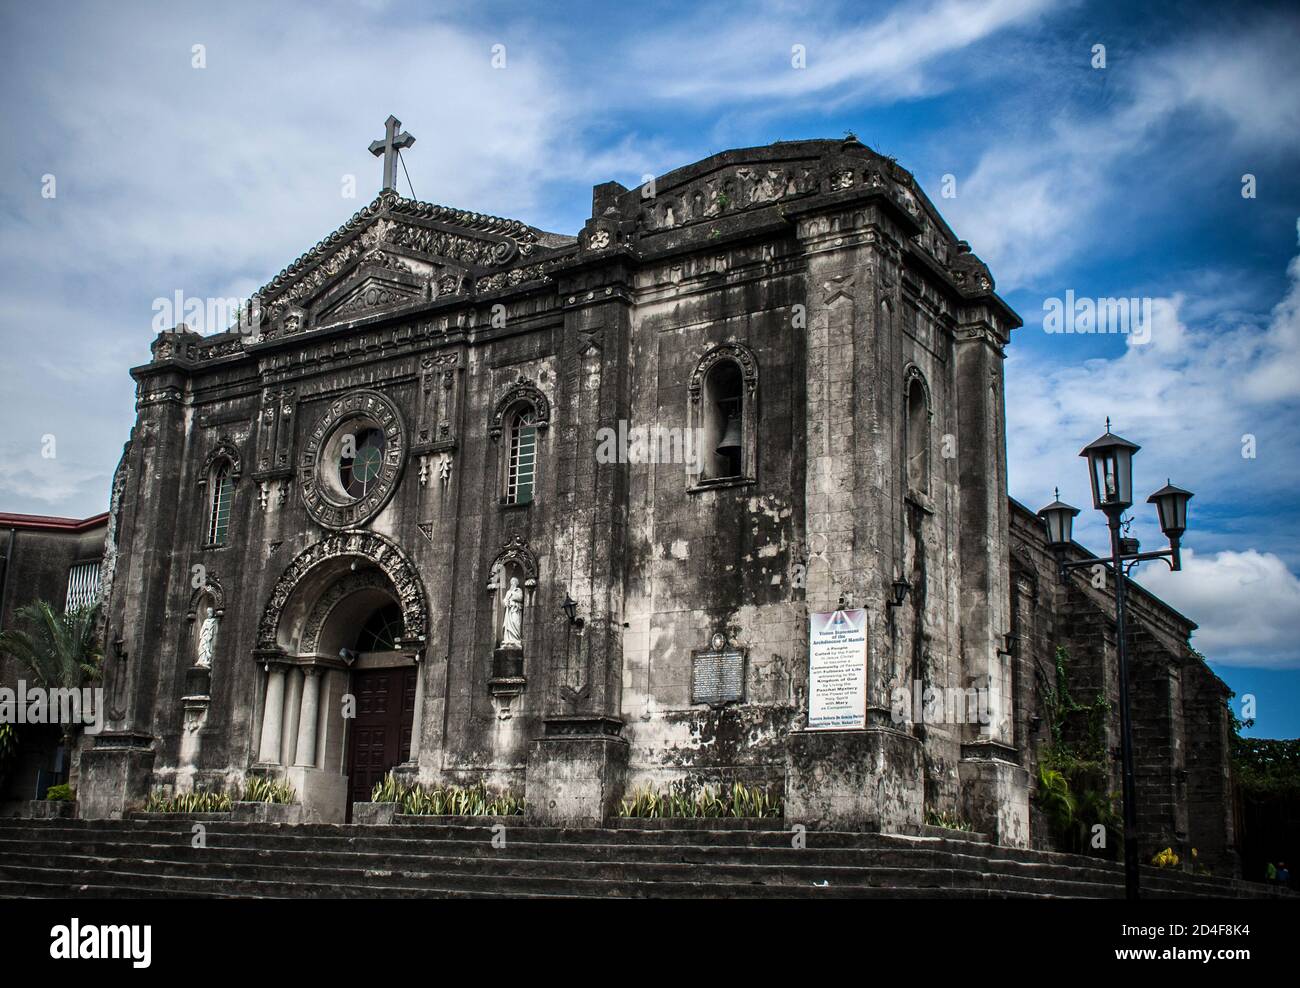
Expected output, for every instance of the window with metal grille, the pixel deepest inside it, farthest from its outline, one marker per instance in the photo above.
(83, 586)
(223, 489)
(521, 473)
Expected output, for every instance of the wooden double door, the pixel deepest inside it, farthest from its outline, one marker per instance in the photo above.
(380, 736)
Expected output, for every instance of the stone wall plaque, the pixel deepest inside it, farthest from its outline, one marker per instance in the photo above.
(837, 670)
(718, 675)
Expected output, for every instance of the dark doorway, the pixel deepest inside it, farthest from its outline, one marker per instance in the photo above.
(380, 736)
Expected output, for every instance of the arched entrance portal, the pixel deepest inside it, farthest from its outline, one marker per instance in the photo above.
(383, 685)
(341, 641)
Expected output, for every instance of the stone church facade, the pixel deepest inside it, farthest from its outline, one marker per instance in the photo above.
(347, 532)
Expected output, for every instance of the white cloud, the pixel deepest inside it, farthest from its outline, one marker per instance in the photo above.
(1188, 397)
(729, 59)
(1192, 393)
(1046, 190)
(1247, 605)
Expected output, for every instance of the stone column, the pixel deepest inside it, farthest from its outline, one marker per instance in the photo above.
(307, 714)
(289, 719)
(417, 718)
(576, 769)
(272, 716)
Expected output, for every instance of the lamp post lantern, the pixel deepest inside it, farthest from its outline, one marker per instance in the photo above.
(1110, 471)
(1058, 517)
(1110, 468)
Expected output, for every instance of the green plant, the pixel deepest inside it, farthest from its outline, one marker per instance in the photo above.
(1056, 799)
(1073, 777)
(260, 789)
(686, 801)
(60, 794)
(949, 820)
(209, 801)
(447, 800)
(387, 790)
(60, 649)
(8, 749)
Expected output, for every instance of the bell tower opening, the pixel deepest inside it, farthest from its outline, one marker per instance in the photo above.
(723, 421)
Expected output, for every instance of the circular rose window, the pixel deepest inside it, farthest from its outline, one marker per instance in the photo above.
(353, 460)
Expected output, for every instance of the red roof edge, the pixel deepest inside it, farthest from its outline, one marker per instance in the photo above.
(51, 523)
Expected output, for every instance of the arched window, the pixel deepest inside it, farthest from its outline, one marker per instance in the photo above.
(521, 456)
(519, 420)
(221, 491)
(723, 414)
(917, 429)
(382, 630)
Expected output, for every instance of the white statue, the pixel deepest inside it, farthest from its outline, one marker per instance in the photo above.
(207, 640)
(512, 624)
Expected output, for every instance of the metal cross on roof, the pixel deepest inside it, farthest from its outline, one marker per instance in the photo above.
(388, 147)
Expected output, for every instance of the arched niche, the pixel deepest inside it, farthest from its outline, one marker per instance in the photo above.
(209, 595)
(722, 401)
(515, 561)
(916, 429)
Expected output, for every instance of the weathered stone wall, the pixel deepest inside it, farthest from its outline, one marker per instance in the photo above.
(1180, 718)
(835, 285)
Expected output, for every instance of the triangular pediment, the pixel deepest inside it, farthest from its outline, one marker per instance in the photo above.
(370, 289)
(393, 253)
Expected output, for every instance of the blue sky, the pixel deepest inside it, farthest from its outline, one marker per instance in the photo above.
(1122, 181)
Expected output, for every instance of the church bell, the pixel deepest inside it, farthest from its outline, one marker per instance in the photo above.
(731, 437)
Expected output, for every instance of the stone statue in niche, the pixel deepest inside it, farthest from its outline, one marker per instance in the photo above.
(207, 640)
(512, 621)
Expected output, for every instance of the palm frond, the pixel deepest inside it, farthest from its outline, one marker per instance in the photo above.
(58, 649)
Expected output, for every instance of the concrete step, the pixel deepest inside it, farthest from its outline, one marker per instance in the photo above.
(698, 836)
(123, 882)
(478, 872)
(153, 857)
(393, 853)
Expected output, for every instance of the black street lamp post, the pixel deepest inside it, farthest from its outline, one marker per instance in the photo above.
(1110, 468)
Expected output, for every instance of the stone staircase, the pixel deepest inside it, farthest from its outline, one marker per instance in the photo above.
(152, 858)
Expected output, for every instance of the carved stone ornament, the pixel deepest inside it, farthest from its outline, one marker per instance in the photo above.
(224, 450)
(318, 465)
(514, 552)
(523, 390)
(213, 591)
(377, 549)
(389, 220)
(350, 584)
(738, 352)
